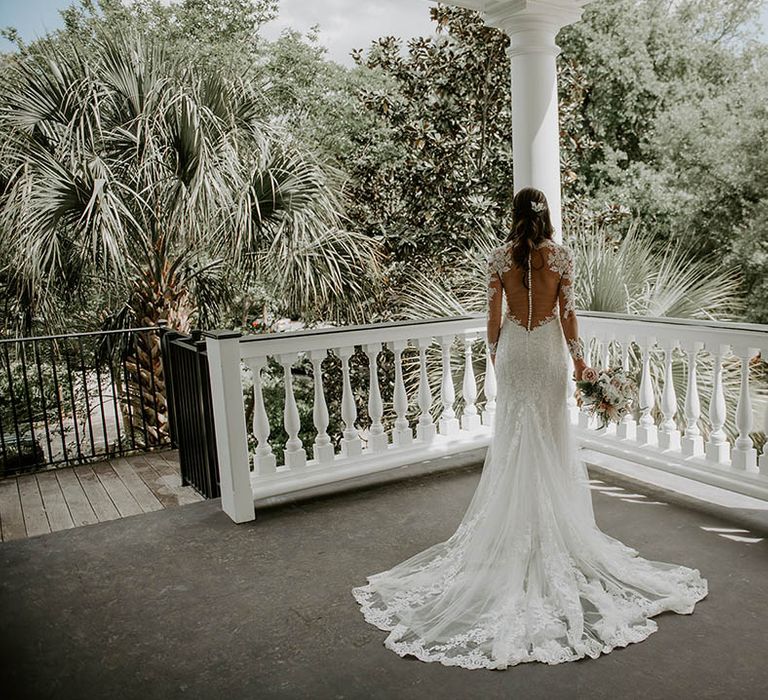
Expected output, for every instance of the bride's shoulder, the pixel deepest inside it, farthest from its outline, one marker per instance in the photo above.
(499, 257)
(560, 257)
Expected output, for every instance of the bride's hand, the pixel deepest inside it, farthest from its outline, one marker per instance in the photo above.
(579, 367)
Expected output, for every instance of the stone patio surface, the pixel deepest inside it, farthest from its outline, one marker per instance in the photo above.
(183, 603)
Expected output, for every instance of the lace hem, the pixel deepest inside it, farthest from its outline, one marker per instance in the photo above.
(549, 652)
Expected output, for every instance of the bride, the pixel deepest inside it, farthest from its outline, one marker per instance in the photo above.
(527, 575)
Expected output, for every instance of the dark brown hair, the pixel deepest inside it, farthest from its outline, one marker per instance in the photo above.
(529, 227)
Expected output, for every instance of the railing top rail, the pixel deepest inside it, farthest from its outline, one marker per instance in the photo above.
(25, 339)
(355, 329)
(688, 322)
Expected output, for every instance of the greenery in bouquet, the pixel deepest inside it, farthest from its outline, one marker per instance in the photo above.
(608, 393)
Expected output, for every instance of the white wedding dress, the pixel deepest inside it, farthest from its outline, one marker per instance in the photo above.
(527, 575)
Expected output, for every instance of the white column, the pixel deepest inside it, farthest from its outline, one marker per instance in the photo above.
(532, 26)
(223, 350)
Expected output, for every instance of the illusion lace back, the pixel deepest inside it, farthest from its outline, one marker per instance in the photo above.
(527, 575)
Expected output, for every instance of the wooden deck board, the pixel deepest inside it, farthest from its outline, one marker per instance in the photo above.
(11, 515)
(79, 507)
(97, 496)
(68, 497)
(35, 519)
(134, 483)
(124, 502)
(59, 517)
(171, 477)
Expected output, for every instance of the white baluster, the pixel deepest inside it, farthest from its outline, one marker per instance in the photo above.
(322, 448)
(717, 448)
(402, 435)
(489, 390)
(693, 442)
(263, 461)
(669, 435)
(627, 429)
(377, 436)
(295, 455)
(470, 420)
(449, 424)
(425, 430)
(610, 428)
(647, 433)
(351, 445)
(763, 461)
(744, 455)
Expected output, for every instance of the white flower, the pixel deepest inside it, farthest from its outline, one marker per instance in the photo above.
(538, 206)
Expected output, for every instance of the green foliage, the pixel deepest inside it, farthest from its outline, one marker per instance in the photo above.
(446, 163)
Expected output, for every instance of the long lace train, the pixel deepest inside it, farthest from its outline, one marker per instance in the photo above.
(527, 575)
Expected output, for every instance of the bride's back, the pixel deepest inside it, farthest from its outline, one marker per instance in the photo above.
(548, 263)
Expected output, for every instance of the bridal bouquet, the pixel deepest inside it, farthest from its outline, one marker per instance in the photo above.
(607, 394)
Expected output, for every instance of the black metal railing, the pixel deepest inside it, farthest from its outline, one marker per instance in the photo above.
(190, 410)
(81, 397)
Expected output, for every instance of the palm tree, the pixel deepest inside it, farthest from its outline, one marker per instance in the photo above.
(123, 172)
(630, 275)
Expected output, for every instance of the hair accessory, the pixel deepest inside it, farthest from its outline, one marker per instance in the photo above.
(538, 206)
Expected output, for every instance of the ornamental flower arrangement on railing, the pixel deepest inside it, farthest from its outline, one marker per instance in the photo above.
(607, 394)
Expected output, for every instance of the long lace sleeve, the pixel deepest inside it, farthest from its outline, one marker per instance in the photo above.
(495, 297)
(567, 303)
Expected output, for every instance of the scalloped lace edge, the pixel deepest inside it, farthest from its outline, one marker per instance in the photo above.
(630, 634)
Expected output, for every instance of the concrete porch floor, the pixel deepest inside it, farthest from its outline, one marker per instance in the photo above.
(183, 603)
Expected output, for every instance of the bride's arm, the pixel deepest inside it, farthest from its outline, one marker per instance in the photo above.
(568, 320)
(495, 298)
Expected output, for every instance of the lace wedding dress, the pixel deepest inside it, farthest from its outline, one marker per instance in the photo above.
(527, 575)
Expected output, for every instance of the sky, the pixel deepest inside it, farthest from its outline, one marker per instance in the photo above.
(344, 24)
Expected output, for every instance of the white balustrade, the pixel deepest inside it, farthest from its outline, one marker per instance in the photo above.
(647, 433)
(323, 447)
(470, 419)
(402, 435)
(703, 452)
(264, 461)
(627, 429)
(448, 424)
(669, 435)
(693, 442)
(744, 455)
(351, 444)
(426, 429)
(295, 455)
(490, 389)
(718, 449)
(377, 436)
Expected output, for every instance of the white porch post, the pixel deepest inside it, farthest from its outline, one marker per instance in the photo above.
(223, 349)
(532, 26)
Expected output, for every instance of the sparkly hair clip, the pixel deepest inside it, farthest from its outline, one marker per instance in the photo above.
(538, 206)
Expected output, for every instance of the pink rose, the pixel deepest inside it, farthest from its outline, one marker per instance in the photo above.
(589, 375)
